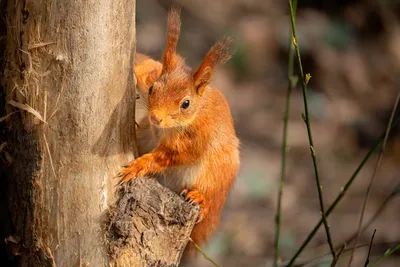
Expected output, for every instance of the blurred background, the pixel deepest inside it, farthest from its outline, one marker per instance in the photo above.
(352, 50)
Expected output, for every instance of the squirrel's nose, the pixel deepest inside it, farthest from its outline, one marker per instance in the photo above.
(155, 120)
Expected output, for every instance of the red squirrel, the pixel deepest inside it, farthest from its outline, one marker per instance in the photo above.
(188, 140)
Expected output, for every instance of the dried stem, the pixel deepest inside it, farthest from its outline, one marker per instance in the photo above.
(204, 254)
(336, 259)
(378, 212)
(341, 251)
(369, 249)
(378, 162)
(304, 81)
(292, 80)
(339, 197)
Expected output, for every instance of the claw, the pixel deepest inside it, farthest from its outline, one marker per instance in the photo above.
(120, 183)
(194, 197)
(199, 218)
(183, 193)
(134, 169)
(128, 173)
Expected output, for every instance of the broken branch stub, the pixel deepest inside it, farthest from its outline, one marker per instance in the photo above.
(149, 225)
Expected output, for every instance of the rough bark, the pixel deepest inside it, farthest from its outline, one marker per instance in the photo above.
(71, 102)
(149, 225)
(70, 61)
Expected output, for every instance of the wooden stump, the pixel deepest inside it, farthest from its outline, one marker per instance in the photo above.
(149, 225)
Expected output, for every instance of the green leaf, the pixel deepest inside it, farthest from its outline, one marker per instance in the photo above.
(308, 77)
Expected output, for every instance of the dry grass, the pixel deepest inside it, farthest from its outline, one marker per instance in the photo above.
(27, 108)
(27, 65)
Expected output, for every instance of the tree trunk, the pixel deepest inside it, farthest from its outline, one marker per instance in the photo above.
(70, 93)
(70, 84)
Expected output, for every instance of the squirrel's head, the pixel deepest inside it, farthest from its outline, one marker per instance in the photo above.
(175, 98)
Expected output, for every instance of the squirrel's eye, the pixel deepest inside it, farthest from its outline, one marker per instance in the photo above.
(150, 90)
(185, 104)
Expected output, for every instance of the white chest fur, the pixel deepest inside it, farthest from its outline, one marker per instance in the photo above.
(178, 178)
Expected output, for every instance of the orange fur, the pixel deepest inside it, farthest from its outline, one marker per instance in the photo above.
(174, 28)
(195, 149)
(147, 71)
(218, 54)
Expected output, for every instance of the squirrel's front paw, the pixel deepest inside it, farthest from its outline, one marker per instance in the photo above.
(133, 170)
(194, 197)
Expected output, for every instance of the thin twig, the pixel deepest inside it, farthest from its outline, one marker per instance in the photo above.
(378, 212)
(369, 249)
(203, 253)
(340, 196)
(387, 254)
(342, 250)
(292, 80)
(304, 81)
(308, 262)
(336, 259)
(378, 162)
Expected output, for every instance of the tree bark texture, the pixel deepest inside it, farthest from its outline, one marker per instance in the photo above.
(149, 225)
(70, 92)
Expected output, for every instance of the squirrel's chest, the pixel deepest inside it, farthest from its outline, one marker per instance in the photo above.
(178, 178)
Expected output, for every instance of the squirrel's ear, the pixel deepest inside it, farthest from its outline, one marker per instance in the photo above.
(174, 26)
(217, 55)
(147, 72)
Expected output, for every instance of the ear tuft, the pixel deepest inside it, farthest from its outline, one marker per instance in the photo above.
(170, 60)
(219, 54)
